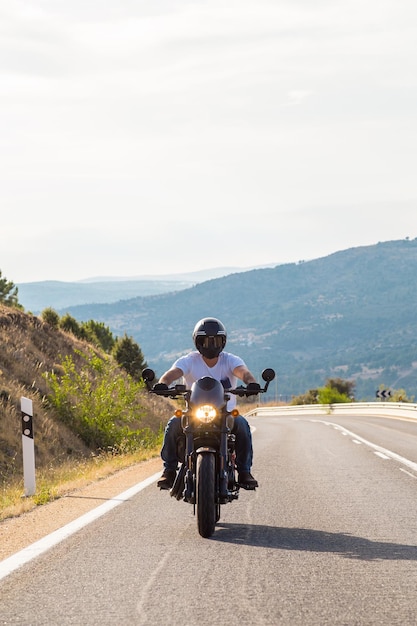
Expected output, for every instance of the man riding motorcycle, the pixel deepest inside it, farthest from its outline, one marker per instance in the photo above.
(209, 359)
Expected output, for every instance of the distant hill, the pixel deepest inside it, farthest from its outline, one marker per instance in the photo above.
(197, 276)
(350, 314)
(37, 296)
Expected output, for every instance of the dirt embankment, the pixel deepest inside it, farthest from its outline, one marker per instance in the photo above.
(29, 348)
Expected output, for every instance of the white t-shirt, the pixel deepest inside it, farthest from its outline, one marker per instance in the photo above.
(194, 367)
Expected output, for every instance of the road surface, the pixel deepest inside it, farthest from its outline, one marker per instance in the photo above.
(329, 538)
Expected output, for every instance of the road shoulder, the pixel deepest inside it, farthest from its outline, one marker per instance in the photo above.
(19, 532)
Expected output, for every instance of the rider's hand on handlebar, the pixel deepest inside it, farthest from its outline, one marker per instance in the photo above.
(160, 387)
(253, 389)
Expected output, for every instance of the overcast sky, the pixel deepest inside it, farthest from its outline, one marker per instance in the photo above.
(163, 136)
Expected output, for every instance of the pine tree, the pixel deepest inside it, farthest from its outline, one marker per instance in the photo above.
(129, 356)
(8, 293)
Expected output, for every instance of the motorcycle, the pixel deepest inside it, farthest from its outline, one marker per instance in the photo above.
(206, 451)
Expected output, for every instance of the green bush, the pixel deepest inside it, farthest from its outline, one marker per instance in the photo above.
(335, 390)
(98, 334)
(100, 404)
(70, 325)
(330, 395)
(51, 317)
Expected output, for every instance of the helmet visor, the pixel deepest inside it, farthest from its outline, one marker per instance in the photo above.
(212, 342)
(210, 346)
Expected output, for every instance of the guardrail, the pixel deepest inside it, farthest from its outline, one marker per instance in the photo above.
(382, 409)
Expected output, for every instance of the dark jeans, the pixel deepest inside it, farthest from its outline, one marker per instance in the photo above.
(241, 428)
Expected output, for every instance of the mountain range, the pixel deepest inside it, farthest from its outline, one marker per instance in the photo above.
(36, 296)
(351, 314)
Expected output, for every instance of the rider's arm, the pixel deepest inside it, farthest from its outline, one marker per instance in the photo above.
(242, 372)
(173, 374)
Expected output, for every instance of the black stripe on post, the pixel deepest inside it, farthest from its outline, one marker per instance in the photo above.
(27, 425)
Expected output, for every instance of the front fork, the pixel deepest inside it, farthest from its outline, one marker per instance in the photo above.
(221, 466)
(223, 477)
(189, 482)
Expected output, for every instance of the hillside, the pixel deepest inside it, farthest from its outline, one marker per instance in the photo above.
(29, 348)
(350, 314)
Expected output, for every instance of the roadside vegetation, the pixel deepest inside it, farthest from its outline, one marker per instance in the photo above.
(336, 390)
(92, 413)
(8, 292)
(65, 477)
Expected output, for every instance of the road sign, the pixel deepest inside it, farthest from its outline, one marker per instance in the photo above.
(383, 393)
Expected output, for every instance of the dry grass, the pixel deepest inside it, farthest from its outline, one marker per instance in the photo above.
(28, 348)
(64, 479)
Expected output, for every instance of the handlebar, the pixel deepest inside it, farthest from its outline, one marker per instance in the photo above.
(171, 392)
(181, 390)
(148, 376)
(244, 391)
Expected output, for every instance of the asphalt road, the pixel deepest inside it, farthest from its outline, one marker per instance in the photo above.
(329, 538)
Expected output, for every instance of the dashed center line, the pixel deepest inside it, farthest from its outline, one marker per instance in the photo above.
(379, 450)
(408, 473)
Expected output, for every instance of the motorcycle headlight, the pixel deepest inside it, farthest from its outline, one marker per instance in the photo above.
(206, 413)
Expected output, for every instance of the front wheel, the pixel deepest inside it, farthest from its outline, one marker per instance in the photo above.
(206, 492)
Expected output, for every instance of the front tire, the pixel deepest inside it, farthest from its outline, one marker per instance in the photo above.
(206, 492)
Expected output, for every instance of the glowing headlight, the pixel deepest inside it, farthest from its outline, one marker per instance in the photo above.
(206, 413)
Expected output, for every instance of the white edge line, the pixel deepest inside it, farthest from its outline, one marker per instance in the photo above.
(382, 456)
(391, 455)
(12, 563)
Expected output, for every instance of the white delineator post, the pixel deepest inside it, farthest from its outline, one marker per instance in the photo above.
(28, 446)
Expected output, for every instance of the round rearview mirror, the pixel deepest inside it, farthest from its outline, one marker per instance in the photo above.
(268, 374)
(148, 375)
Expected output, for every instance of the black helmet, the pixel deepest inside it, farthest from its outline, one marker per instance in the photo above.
(209, 337)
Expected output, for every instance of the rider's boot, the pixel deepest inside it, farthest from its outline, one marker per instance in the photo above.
(167, 479)
(247, 481)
